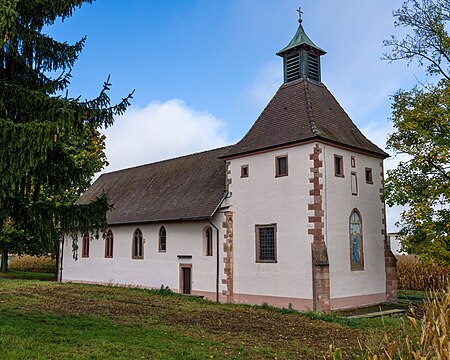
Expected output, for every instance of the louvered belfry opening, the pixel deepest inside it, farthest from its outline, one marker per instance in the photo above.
(292, 67)
(301, 57)
(301, 64)
(313, 67)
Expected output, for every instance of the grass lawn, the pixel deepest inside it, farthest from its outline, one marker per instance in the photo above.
(28, 275)
(49, 320)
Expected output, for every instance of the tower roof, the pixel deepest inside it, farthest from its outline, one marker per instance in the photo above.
(302, 110)
(300, 39)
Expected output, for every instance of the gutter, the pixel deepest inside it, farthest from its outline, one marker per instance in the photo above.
(61, 256)
(217, 259)
(225, 195)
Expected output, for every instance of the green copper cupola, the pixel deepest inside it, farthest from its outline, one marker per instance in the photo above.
(301, 57)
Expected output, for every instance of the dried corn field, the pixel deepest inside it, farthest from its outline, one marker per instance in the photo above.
(32, 263)
(413, 275)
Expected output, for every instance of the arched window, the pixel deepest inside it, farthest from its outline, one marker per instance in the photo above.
(85, 246)
(109, 244)
(138, 245)
(162, 240)
(356, 242)
(208, 241)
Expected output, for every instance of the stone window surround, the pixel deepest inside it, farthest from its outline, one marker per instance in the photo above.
(109, 244)
(341, 166)
(257, 243)
(277, 166)
(355, 178)
(355, 210)
(244, 171)
(162, 239)
(137, 236)
(208, 241)
(368, 175)
(85, 246)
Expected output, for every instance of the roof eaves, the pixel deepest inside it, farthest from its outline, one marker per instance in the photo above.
(182, 219)
(381, 153)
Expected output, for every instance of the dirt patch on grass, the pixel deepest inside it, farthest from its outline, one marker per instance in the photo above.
(285, 333)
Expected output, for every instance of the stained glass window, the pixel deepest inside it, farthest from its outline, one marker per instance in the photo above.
(356, 242)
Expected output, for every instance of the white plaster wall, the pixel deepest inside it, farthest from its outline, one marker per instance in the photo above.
(156, 269)
(339, 203)
(261, 199)
(395, 245)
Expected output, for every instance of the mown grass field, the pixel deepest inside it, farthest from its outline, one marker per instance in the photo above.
(49, 320)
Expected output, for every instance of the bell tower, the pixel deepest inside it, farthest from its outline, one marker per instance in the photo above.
(301, 57)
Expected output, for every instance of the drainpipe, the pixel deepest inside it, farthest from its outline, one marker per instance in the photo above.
(217, 258)
(225, 195)
(61, 256)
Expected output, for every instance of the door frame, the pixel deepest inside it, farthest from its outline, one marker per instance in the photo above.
(181, 278)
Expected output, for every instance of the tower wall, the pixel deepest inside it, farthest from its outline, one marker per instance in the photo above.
(358, 286)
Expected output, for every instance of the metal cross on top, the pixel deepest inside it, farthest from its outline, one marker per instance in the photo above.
(300, 13)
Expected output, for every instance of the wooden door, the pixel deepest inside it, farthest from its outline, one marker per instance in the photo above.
(186, 279)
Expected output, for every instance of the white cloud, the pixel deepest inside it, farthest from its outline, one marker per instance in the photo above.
(159, 131)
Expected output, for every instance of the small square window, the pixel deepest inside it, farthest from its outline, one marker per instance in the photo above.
(369, 178)
(281, 165)
(266, 243)
(338, 165)
(353, 162)
(354, 183)
(244, 171)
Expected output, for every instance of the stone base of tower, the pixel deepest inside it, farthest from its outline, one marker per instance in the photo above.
(320, 277)
(390, 262)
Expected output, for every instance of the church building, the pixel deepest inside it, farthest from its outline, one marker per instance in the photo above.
(291, 215)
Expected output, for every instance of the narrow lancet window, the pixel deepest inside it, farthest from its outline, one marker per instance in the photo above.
(356, 242)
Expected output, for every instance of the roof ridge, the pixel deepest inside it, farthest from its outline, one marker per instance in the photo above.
(311, 118)
(167, 160)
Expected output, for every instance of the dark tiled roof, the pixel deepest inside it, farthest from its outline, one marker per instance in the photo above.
(299, 111)
(185, 188)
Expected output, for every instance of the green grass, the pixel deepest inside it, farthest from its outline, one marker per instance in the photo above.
(28, 275)
(49, 320)
(413, 295)
(49, 336)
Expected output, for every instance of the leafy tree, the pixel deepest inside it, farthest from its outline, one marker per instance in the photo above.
(50, 144)
(422, 131)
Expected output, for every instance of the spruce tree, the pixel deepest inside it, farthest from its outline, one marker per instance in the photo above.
(51, 144)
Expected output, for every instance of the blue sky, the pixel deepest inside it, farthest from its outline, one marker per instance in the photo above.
(203, 70)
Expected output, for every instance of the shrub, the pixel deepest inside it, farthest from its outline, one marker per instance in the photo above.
(413, 275)
(32, 263)
(162, 291)
(426, 338)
